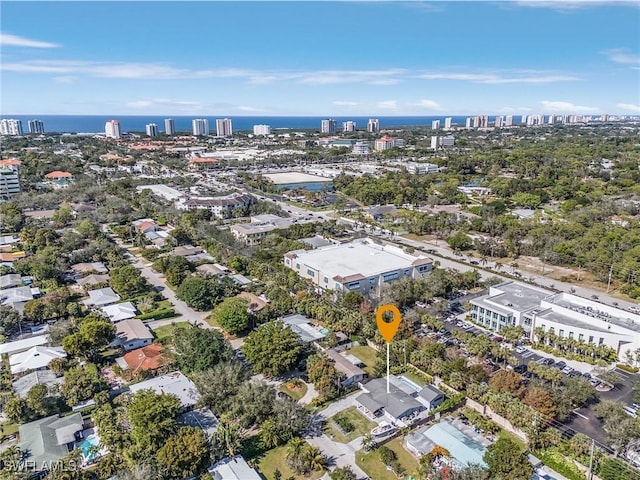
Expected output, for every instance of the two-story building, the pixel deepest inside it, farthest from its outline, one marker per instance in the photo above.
(361, 265)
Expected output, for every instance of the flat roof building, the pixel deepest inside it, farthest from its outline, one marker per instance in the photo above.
(567, 315)
(291, 180)
(361, 265)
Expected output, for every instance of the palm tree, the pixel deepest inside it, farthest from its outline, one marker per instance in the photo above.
(296, 446)
(368, 443)
(316, 460)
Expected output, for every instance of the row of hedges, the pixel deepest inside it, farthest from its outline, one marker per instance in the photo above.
(157, 314)
(558, 462)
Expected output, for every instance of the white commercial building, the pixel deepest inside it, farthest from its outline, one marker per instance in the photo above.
(328, 126)
(421, 168)
(261, 130)
(349, 126)
(435, 124)
(222, 207)
(169, 126)
(152, 130)
(163, 191)
(224, 127)
(200, 126)
(447, 122)
(360, 265)
(499, 121)
(112, 129)
(567, 315)
(36, 126)
(10, 126)
(387, 142)
(508, 122)
(361, 148)
(373, 125)
(441, 142)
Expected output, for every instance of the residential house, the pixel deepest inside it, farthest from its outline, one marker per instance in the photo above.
(235, 468)
(17, 297)
(186, 250)
(256, 303)
(10, 280)
(101, 297)
(210, 270)
(175, 383)
(352, 373)
(132, 334)
(303, 328)
(92, 279)
(35, 358)
(23, 384)
(146, 358)
(92, 267)
(398, 405)
(47, 441)
(58, 179)
(119, 311)
(10, 348)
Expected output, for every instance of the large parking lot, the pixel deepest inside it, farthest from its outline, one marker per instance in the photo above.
(584, 419)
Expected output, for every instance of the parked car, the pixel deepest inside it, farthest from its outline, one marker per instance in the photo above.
(594, 382)
(520, 368)
(586, 375)
(567, 370)
(521, 349)
(560, 365)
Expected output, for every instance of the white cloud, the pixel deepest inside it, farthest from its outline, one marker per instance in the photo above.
(388, 81)
(344, 103)
(324, 77)
(620, 55)
(498, 79)
(514, 109)
(154, 102)
(567, 5)
(567, 107)
(629, 107)
(65, 79)
(429, 104)
(388, 104)
(16, 41)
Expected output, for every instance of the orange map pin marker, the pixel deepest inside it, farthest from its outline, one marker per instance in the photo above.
(388, 329)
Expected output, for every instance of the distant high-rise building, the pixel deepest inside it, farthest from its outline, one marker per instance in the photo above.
(468, 122)
(9, 181)
(435, 124)
(112, 129)
(328, 126)
(261, 130)
(224, 127)
(508, 121)
(523, 120)
(483, 121)
(36, 126)
(349, 126)
(551, 120)
(10, 126)
(152, 130)
(498, 122)
(169, 126)
(447, 122)
(373, 125)
(441, 142)
(200, 126)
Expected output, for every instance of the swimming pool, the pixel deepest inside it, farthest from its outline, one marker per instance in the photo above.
(86, 445)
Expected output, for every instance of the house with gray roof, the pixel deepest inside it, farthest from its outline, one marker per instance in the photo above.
(93, 279)
(35, 358)
(46, 377)
(175, 383)
(397, 405)
(235, 468)
(305, 330)
(101, 297)
(49, 439)
(131, 334)
(10, 280)
(352, 373)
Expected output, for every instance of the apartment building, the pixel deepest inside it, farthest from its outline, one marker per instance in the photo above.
(9, 181)
(222, 207)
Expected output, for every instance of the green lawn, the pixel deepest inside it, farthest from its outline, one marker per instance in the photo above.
(361, 424)
(512, 437)
(414, 377)
(8, 429)
(296, 393)
(275, 460)
(164, 334)
(374, 468)
(368, 356)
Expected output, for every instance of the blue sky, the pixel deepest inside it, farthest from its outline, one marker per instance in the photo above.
(320, 58)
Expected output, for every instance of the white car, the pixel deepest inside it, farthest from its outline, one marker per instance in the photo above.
(567, 370)
(521, 350)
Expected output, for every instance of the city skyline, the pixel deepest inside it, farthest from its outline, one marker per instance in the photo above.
(559, 58)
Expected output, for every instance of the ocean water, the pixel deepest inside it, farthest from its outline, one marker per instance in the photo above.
(136, 123)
